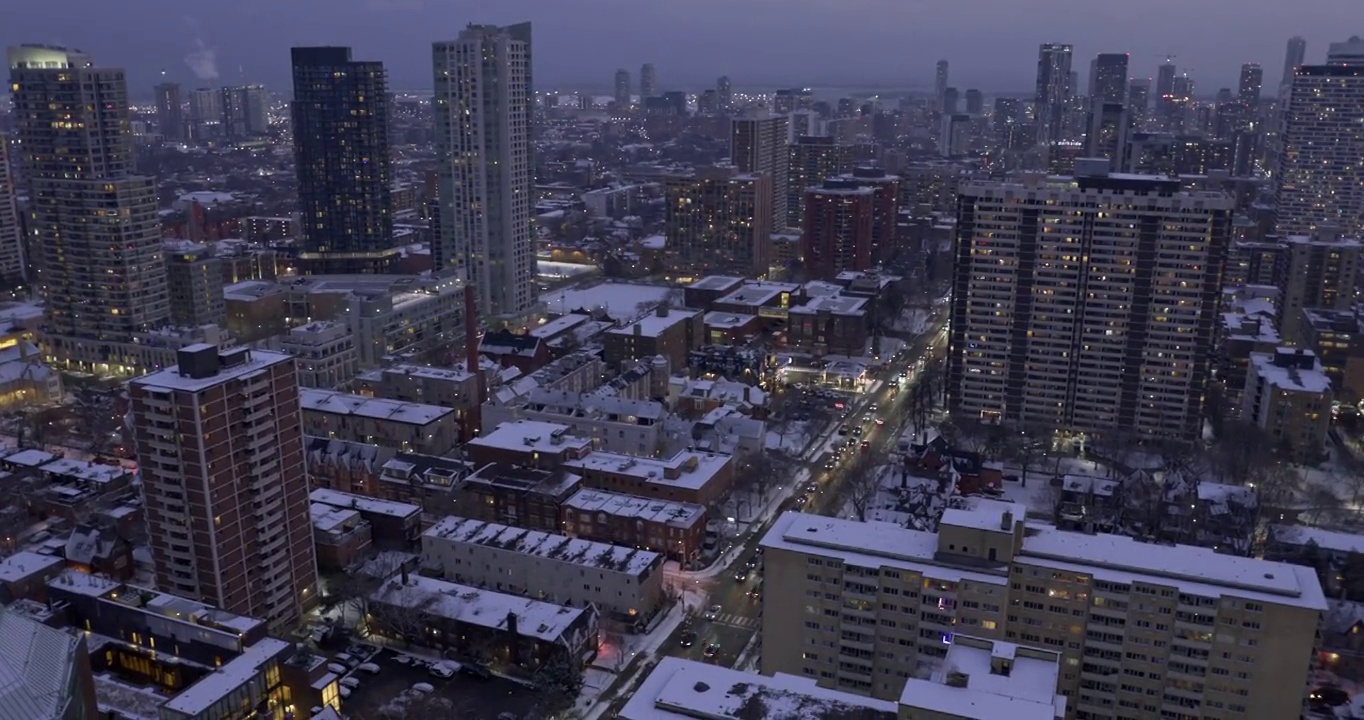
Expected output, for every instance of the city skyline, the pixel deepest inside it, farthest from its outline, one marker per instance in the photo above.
(897, 51)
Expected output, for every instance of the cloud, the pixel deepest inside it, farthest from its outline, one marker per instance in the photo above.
(203, 61)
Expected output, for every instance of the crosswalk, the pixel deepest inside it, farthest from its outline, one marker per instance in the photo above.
(736, 620)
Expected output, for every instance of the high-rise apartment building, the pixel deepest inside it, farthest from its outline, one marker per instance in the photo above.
(1318, 271)
(718, 221)
(813, 159)
(1294, 57)
(341, 156)
(1139, 100)
(13, 267)
(1086, 303)
(1350, 52)
(1107, 134)
(1145, 630)
(1053, 91)
(975, 102)
(940, 84)
(205, 114)
(220, 447)
(93, 220)
(725, 91)
(246, 111)
(170, 113)
(1108, 78)
(837, 231)
(758, 145)
(194, 277)
(1165, 90)
(622, 94)
(951, 101)
(648, 81)
(483, 108)
(1248, 86)
(1323, 149)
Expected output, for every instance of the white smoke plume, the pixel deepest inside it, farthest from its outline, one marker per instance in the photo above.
(203, 61)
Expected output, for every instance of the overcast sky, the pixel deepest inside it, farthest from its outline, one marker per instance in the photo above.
(991, 44)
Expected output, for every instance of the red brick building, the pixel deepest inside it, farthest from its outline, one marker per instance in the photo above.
(675, 529)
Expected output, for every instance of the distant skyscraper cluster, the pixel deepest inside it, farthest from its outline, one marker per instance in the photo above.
(215, 114)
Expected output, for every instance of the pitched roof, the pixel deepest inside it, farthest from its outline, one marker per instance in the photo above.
(35, 667)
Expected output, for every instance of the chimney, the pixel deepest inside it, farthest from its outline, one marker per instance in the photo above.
(1006, 521)
(404, 570)
(661, 311)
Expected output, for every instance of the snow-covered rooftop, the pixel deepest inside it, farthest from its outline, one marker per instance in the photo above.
(655, 324)
(327, 518)
(687, 469)
(985, 514)
(36, 663)
(716, 282)
(340, 403)
(256, 361)
(31, 457)
(364, 503)
(24, 564)
(983, 690)
(197, 698)
(836, 304)
(475, 606)
(678, 688)
(84, 470)
(633, 506)
(726, 320)
(531, 436)
(619, 300)
(560, 548)
(867, 545)
(1290, 378)
(1192, 569)
(1333, 540)
(558, 326)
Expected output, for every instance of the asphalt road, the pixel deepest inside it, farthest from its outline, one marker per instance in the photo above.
(740, 615)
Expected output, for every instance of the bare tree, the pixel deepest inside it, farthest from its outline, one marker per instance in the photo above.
(1243, 447)
(557, 682)
(861, 483)
(352, 590)
(402, 608)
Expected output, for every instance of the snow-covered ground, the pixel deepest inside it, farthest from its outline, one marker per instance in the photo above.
(619, 300)
(792, 440)
(914, 320)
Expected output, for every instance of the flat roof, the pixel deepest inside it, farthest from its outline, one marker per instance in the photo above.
(678, 688)
(85, 470)
(364, 503)
(716, 282)
(1197, 570)
(257, 361)
(656, 470)
(31, 457)
(985, 514)
(475, 606)
(198, 697)
(559, 325)
(24, 564)
(536, 543)
(867, 545)
(1289, 378)
(836, 304)
(616, 504)
(1028, 692)
(340, 403)
(1326, 539)
(531, 436)
(727, 320)
(653, 325)
(327, 518)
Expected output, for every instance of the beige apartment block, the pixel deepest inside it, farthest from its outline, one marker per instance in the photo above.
(1142, 630)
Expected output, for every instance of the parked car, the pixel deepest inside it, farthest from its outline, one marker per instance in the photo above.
(337, 668)
(476, 670)
(350, 681)
(368, 667)
(444, 669)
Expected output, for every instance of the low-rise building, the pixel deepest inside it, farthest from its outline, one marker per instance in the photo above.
(425, 480)
(392, 318)
(454, 388)
(324, 352)
(865, 606)
(529, 443)
(343, 465)
(1289, 396)
(830, 325)
(688, 476)
(675, 529)
(255, 309)
(403, 426)
(678, 689)
(670, 332)
(24, 574)
(46, 670)
(341, 536)
(513, 630)
(983, 678)
(625, 584)
(526, 497)
(616, 424)
(393, 525)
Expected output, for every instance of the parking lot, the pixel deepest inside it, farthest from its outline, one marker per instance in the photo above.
(377, 695)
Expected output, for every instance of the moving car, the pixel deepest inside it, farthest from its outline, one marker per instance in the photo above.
(711, 651)
(712, 612)
(687, 639)
(741, 575)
